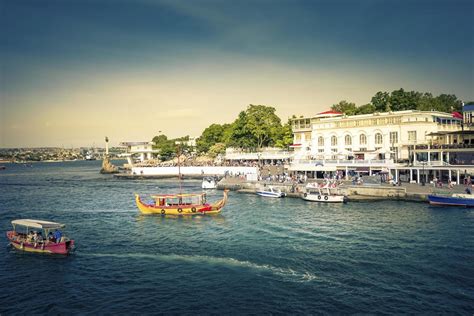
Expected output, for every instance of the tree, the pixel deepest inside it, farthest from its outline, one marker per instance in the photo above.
(345, 107)
(380, 101)
(366, 109)
(285, 136)
(166, 147)
(239, 135)
(216, 149)
(210, 136)
(263, 124)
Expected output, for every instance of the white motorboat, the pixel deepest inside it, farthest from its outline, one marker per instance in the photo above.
(271, 192)
(209, 183)
(322, 195)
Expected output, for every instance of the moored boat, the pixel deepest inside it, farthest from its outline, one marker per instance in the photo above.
(180, 204)
(271, 192)
(37, 236)
(466, 200)
(209, 183)
(322, 195)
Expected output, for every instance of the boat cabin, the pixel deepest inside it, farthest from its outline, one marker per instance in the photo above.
(179, 199)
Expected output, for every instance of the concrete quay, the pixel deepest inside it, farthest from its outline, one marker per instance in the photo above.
(354, 193)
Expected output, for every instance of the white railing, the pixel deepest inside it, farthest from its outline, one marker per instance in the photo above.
(259, 155)
(343, 162)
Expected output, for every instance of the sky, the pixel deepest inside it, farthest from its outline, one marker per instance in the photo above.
(75, 71)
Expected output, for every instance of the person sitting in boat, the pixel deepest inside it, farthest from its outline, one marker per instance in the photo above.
(51, 237)
(58, 235)
(30, 236)
(468, 191)
(38, 238)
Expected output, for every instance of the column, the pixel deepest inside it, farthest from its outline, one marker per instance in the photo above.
(457, 176)
(347, 173)
(449, 171)
(417, 175)
(397, 175)
(411, 175)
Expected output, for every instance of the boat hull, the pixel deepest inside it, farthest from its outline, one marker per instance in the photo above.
(184, 210)
(324, 198)
(270, 194)
(450, 201)
(62, 248)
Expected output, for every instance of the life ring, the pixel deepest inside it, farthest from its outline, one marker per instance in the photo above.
(193, 209)
(326, 198)
(180, 210)
(305, 195)
(163, 211)
(319, 197)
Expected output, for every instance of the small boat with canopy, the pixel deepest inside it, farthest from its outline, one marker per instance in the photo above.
(33, 235)
(180, 204)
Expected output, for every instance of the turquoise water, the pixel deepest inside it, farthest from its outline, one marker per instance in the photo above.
(260, 256)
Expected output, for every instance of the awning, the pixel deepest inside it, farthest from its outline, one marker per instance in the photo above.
(34, 223)
(295, 145)
(311, 167)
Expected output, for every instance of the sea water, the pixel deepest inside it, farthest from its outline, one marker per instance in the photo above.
(259, 256)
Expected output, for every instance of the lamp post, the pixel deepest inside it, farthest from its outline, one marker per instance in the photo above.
(423, 163)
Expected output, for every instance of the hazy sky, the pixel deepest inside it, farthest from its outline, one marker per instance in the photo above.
(75, 71)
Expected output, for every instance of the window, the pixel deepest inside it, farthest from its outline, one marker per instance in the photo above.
(333, 141)
(378, 139)
(393, 137)
(320, 141)
(348, 140)
(307, 136)
(412, 136)
(363, 139)
(297, 138)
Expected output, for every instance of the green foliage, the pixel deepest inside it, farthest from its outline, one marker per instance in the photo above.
(216, 149)
(366, 109)
(345, 107)
(210, 136)
(166, 147)
(263, 124)
(285, 136)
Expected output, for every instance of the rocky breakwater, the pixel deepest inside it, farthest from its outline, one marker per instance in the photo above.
(108, 167)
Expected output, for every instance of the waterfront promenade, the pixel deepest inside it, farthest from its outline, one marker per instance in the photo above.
(370, 192)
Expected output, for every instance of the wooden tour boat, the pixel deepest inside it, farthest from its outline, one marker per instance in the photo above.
(181, 204)
(21, 237)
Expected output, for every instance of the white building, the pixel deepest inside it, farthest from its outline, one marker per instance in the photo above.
(138, 151)
(389, 135)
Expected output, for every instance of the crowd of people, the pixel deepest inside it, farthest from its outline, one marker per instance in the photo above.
(37, 238)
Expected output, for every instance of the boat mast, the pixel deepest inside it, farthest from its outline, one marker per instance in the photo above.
(179, 170)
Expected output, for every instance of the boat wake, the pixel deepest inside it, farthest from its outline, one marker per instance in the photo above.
(285, 273)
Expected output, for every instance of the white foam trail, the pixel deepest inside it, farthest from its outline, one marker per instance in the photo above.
(283, 272)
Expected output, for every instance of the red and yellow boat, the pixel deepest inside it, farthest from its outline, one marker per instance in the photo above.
(180, 204)
(21, 237)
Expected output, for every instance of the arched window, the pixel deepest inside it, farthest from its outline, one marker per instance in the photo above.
(348, 140)
(378, 139)
(320, 141)
(363, 139)
(333, 141)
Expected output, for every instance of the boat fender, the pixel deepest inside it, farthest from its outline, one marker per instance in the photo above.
(326, 197)
(42, 246)
(193, 209)
(180, 210)
(22, 246)
(305, 195)
(319, 197)
(163, 211)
